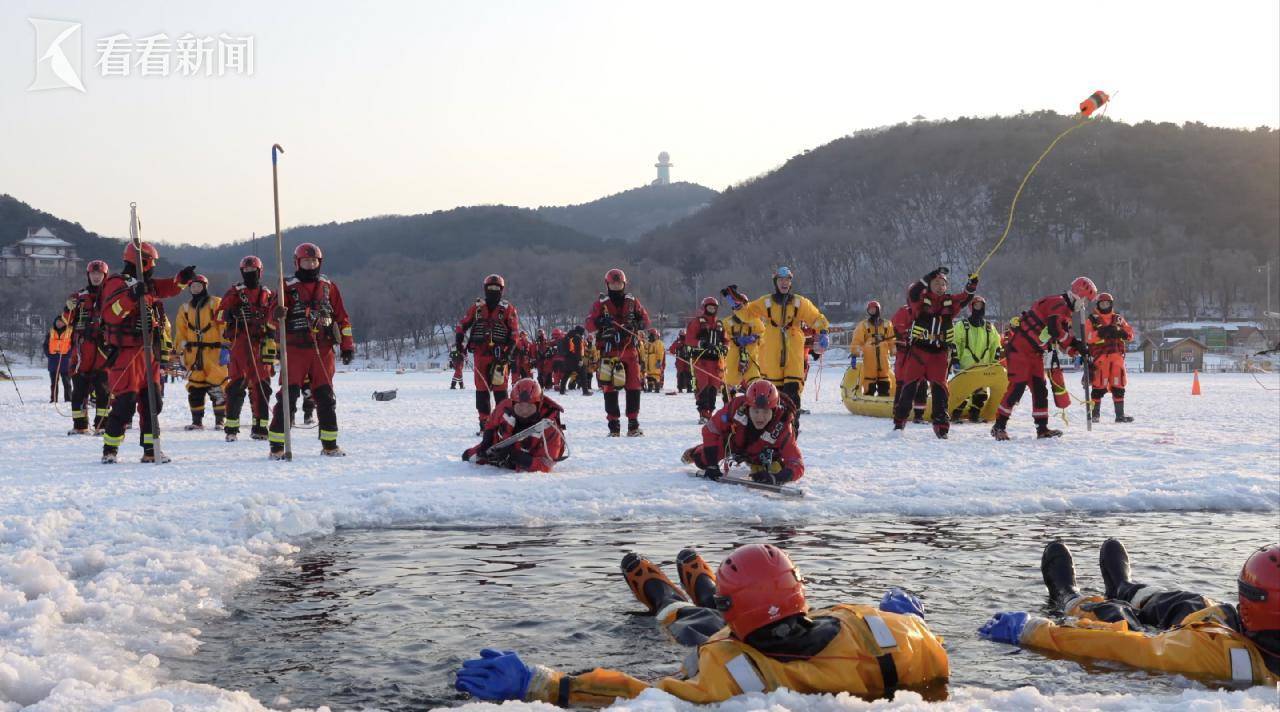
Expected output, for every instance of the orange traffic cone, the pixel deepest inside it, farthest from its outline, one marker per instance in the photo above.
(1195, 383)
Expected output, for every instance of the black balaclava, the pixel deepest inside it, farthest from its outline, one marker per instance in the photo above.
(307, 275)
(492, 297)
(874, 318)
(198, 299)
(617, 295)
(1107, 310)
(252, 278)
(978, 314)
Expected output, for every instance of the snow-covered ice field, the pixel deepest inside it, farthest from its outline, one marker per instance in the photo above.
(106, 571)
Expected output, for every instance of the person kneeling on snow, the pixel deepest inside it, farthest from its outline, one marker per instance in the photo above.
(529, 413)
(754, 428)
(1152, 628)
(753, 632)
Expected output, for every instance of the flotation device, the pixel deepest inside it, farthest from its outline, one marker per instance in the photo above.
(962, 384)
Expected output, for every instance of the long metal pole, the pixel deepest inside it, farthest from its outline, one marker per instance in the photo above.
(286, 417)
(148, 337)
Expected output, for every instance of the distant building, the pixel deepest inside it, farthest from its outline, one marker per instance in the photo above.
(39, 254)
(664, 169)
(1172, 355)
(1213, 334)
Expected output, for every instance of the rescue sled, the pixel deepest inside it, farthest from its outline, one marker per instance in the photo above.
(992, 376)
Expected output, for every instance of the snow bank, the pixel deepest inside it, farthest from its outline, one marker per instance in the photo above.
(107, 571)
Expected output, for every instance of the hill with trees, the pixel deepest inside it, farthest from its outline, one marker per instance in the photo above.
(631, 213)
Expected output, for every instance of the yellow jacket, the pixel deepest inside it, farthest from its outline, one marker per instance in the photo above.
(741, 368)
(727, 667)
(874, 345)
(654, 354)
(1202, 646)
(198, 341)
(781, 352)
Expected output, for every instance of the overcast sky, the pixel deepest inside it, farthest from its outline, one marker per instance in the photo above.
(408, 107)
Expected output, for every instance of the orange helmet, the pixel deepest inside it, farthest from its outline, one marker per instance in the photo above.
(306, 249)
(762, 394)
(526, 390)
(149, 255)
(96, 266)
(1259, 585)
(757, 585)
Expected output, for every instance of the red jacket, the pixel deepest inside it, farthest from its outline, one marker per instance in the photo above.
(932, 314)
(613, 341)
(705, 337)
(118, 309)
(1052, 313)
(83, 316)
(315, 315)
(1107, 333)
(246, 315)
(484, 329)
(731, 426)
(502, 423)
(901, 322)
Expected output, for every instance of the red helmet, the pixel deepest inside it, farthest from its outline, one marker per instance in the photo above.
(201, 279)
(762, 394)
(977, 299)
(557, 333)
(873, 303)
(306, 249)
(495, 279)
(614, 275)
(96, 266)
(1106, 297)
(1083, 289)
(149, 255)
(526, 390)
(653, 333)
(1259, 585)
(756, 585)
(710, 302)
(249, 263)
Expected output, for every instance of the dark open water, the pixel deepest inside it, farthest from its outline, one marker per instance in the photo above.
(382, 618)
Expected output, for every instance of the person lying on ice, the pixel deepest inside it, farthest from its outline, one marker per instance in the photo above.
(753, 632)
(1156, 629)
(524, 408)
(754, 428)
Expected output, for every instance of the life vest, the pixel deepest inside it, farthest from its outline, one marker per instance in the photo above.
(250, 315)
(490, 325)
(88, 323)
(60, 341)
(310, 316)
(1105, 345)
(710, 337)
(128, 333)
(612, 338)
(932, 327)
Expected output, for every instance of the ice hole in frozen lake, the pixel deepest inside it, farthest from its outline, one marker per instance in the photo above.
(383, 617)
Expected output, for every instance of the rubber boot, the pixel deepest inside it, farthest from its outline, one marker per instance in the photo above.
(1120, 416)
(650, 586)
(615, 429)
(696, 578)
(975, 415)
(1059, 572)
(1045, 431)
(1114, 562)
(633, 428)
(1097, 407)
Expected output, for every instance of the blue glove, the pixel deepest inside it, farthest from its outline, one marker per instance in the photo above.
(823, 340)
(853, 360)
(745, 340)
(898, 601)
(224, 356)
(1005, 627)
(495, 675)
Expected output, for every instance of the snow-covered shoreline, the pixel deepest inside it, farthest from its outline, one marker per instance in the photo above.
(105, 571)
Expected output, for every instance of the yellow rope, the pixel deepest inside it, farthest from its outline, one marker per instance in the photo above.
(1014, 205)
